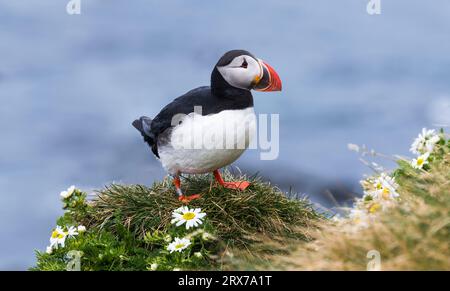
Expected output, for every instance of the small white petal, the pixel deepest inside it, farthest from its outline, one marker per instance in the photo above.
(81, 228)
(353, 147)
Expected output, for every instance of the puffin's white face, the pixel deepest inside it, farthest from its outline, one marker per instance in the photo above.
(242, 72)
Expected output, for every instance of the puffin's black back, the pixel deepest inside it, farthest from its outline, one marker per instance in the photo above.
(214, 99)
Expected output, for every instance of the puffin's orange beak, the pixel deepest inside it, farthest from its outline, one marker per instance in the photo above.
(269, 81)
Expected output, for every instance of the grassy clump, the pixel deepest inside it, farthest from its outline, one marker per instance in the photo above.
(237, 216)
(413, 235)
(129, 226)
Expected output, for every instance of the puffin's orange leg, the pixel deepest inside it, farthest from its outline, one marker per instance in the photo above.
(181, 197)
(241, 185)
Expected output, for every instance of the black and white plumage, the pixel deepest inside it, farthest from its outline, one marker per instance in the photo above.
(227, 102)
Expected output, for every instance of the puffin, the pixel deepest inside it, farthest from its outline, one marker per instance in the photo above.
(210, 127)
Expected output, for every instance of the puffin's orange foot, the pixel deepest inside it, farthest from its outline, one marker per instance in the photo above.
(241, 185)
(187, 199)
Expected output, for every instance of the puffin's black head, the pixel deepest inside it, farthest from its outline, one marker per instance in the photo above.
(241, 69)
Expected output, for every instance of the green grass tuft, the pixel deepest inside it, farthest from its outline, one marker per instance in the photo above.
(236, 215)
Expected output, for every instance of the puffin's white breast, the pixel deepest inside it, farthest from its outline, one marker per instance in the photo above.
(202, 144)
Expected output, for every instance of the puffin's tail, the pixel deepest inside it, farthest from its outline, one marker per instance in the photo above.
(143, 125)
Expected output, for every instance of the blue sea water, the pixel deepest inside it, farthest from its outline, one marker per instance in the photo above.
(70, 85)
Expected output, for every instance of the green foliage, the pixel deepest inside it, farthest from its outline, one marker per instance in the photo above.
(129, 226)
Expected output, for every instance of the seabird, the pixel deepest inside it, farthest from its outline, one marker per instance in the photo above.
(211, 126)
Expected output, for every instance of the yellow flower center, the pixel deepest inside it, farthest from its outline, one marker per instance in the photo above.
(419, 161)
(374, 208)
(385, 193)
(56, 234)
(189, 215)
(179, 246)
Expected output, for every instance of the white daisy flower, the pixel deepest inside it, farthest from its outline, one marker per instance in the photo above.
(385, 187)
(66, 194)
(178, 245)
(359, 217)
(49, 250)
(420, 161)
(72, 231)
(154, 267)
(425, 142)
(387, 180)
(81, 228)
(58, 237)
(192, 217)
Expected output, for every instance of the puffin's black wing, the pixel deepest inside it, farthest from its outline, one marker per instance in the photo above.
(184, 104)
(151, 129)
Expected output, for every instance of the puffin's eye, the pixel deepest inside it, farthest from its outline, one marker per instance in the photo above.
(244, 64)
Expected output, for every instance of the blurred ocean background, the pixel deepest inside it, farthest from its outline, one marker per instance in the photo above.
(70, 85)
